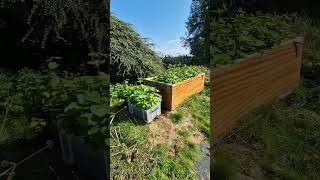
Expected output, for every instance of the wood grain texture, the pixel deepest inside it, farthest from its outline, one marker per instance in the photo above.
(174, 95)
(237, 89)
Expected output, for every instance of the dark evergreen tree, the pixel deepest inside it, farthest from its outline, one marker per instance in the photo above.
(34, 30)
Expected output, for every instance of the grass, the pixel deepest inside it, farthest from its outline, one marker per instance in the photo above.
(133, 157)
(177, 116)
(199, 106)
(285, 140)
(224, 167)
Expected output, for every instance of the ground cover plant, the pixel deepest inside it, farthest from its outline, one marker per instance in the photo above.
(176, 73)
(242, 34)
(31, 94)
(28, 98)
(142, 96)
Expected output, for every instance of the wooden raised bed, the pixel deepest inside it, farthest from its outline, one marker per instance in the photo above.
(174, 95)
(239, 88)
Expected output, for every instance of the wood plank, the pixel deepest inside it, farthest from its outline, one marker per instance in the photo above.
(238, 89)
(174, 95)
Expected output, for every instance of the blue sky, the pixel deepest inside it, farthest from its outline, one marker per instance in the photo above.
(163, 21)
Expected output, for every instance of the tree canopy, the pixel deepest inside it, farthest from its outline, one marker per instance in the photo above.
(38, 29)
(131, 55)
(198, 31)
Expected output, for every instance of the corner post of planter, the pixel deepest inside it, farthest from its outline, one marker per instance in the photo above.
(171, 98)
(298, 42)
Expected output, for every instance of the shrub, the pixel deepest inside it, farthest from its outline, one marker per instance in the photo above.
(311, 54)
(178, 73)
(144, 97)
(243, 34)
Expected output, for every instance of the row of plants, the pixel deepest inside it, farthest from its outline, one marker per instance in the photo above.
(242, 34)
(142, 96)
(176, 73)
(82, 100)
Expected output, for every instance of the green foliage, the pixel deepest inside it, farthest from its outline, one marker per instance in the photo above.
(170, 167)
(178, 73)
(131, 56)
(306, 96)
(198, 26)
(144, 97)
(300, 23)
(132, 134)
(177, 116)
(29, 94)
(67, 28)
(224, 167)
(87, 111)
(243, 34)
(200, 110)
(287, 140)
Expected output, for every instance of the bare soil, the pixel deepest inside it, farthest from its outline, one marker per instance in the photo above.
(162, 130)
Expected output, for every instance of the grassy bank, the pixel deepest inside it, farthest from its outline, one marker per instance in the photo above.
(167, 148)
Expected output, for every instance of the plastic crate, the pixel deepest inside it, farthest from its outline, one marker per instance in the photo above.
(145, 115)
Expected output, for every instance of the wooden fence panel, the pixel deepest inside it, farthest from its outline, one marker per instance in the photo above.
(239, 88)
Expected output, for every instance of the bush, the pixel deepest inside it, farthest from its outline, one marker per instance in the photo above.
(28, 95)
(243, 34)
(311, 54)
(178, 73)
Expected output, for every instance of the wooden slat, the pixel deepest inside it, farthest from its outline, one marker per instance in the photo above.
(240, 88)
(174, 95)
(188, 88)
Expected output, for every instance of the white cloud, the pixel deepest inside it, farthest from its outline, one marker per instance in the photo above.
(174, 41)
(173, 47)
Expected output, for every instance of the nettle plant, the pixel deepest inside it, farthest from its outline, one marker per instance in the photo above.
(178, 73)
(118, 94)
(243, 34)
(86, 109)
(144, 97)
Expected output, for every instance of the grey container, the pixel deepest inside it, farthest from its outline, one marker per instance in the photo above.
(76, 153)
(145, 115)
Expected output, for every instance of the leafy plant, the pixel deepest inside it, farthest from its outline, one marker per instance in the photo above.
(144, 97)
(242, 34)
(87, 113)
(178, 73)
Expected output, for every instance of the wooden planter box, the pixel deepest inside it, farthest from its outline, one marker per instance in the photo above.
(174, 95)
(238, 89)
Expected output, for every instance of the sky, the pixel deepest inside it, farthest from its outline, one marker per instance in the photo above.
(162, 21)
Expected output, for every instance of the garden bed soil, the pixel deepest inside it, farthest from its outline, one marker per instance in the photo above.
(173, 95)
